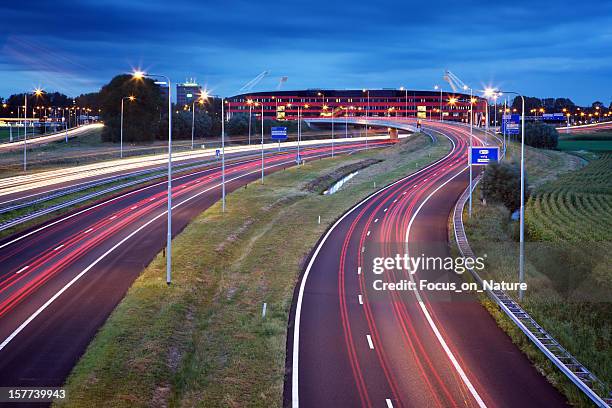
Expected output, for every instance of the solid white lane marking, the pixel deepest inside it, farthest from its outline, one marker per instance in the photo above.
(423, 307)
(58, 247)
(88, 231)
(360, 299)
(389, 403)
(23, 269)
(376, 220)
(295, 363)
(359, 270)
(369, 233)
(370, 344)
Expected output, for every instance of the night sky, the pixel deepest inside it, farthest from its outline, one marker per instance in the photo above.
(539, 48)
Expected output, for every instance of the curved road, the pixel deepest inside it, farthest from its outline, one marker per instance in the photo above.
(355, 346)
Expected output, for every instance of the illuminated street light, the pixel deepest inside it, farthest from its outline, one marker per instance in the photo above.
(139, 75)
(130, 98)
(200, 100)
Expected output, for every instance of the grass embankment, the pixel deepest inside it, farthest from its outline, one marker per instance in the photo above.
(569, 230)
(202, 341)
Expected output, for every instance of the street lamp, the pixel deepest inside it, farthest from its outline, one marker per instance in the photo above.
(367, 116)
(465, 88)
(405, 100)
(200, 100)
(139, 75)
(130, 98)
(436, 87)
(37, 92)
(522, 208)
(250, 103)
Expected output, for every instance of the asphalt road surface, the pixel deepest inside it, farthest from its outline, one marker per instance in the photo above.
(352, 345)
(60, 281)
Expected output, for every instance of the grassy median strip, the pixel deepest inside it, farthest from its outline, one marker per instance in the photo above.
(203, 341)
(567, 248)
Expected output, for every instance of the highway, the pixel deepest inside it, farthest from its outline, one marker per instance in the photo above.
(38, 140)
(351, 345)
(60, 281)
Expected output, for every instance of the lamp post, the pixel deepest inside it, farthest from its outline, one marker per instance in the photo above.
(250, 103)
(141, 75)
(203, 95)
(405, 100)
(37, 92)
(367, 116)
(223, 102)
(436, 87)
(465, 88)
(131, 98)
(262, 142)
(522, 208)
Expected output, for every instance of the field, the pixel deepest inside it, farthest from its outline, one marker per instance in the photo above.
(203, 341)
(568, 257)
(600, 141)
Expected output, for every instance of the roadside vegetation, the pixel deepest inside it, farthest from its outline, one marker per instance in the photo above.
(568, 257)
(600, 141)
(203, 340)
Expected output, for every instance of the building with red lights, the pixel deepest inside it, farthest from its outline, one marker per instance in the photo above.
(320, 103)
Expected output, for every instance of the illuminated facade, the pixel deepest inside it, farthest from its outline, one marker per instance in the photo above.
(319, 103)
(186, 93)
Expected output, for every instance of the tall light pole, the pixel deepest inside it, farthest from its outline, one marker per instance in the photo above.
(522, 208)
(200, 100)
(405, 100)
(141, 75)
(250, 103)
(223, 102)
(367, 116)
(262, 136)
(37, 92)
(436, 87)
(465, 88)
(131, 98)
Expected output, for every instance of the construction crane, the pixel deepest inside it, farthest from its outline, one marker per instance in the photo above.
(281, 81)
(251, 84)
(454, 81)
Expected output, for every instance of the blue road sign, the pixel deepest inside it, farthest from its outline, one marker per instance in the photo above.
(483, 155)
(510, 124)
(218, 152)
(279, 133)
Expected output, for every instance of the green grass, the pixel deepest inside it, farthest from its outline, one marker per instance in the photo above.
(569, 231)
(202, 341)
(600, 141)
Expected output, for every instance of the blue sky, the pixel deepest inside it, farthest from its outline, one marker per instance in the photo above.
(539, 48)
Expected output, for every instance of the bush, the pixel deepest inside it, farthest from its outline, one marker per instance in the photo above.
(501, 182)
(541, 135)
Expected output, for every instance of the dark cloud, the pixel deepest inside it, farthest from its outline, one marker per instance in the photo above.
(544, 48)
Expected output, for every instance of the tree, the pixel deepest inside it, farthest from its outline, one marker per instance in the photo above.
(561, 103)
(142, 118)
(530, 103)
(501, 182)
(181, 124)
(238, 124)
(541, 135)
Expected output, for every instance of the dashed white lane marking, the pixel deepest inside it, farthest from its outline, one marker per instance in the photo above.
(152, 198)
(59, 247)
(415, 186)
(370, 341)
(395, 201)
(360, 299)
(385, 210)
(362, 249)
(376, 220)
(359, 270)
(369, 233)
(113, 217)
(389, 403)
(134, 207)
(404, 192)
(27, 266)
(88, 231)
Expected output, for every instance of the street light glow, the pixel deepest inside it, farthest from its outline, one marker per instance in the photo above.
(138, 74)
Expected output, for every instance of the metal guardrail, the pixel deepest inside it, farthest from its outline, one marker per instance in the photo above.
(585, 380)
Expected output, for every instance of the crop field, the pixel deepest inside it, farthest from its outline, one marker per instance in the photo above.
(599, 141)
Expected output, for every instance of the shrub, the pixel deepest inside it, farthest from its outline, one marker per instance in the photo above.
(541, 135)
(501, 182)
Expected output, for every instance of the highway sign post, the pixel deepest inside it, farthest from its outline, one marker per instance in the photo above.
(483, 155)
(510, 124)
(278, 133)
